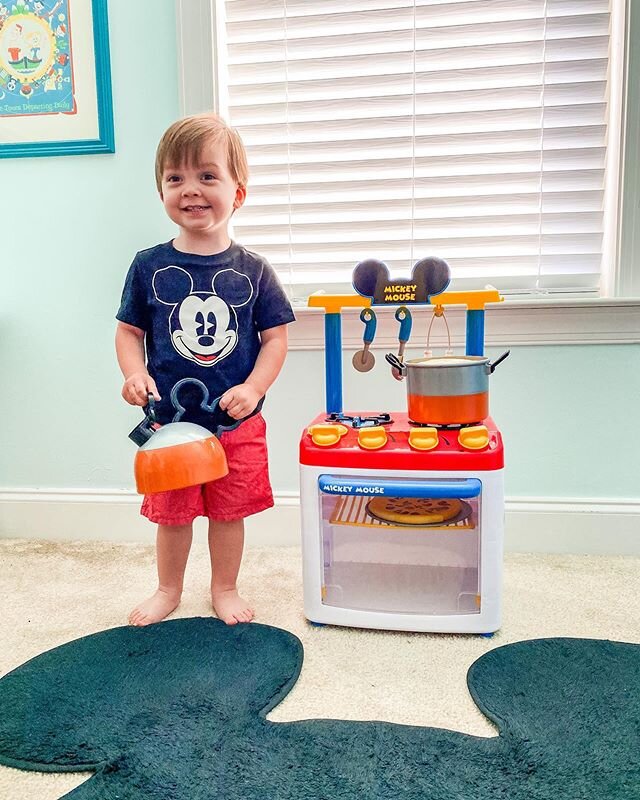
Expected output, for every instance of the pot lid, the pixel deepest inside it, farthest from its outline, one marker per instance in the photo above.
(449, 361)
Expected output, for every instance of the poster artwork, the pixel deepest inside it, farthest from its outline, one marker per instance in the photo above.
(36, 65)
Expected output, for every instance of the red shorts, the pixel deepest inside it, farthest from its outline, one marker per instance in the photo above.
(245, 490)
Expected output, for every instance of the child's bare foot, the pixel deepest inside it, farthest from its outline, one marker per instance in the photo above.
(155, 608)
(230, 607)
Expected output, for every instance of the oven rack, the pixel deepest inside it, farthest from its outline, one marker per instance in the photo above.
(352, 510)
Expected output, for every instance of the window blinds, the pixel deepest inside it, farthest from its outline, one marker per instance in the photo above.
(474, 130)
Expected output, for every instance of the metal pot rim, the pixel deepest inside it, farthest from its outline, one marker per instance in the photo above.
(462, 361)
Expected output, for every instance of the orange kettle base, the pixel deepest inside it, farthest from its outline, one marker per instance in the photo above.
(169, 462)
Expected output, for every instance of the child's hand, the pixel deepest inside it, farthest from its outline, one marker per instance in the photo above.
(137, 388)
(239, 401)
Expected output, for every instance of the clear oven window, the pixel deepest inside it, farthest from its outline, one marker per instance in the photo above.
(402, 555)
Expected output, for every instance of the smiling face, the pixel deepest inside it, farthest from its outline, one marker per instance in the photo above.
(206, 331)
(200, 198)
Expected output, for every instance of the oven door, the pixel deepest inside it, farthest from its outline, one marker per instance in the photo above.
(401, 546)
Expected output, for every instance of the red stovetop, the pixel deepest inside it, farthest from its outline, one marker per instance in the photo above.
(397, 454)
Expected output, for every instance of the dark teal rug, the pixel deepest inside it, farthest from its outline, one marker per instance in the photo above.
(177, 711)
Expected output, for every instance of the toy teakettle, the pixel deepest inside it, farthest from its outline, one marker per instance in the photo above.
(181, 454)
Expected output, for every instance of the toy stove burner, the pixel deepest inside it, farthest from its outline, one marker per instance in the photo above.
(361, 422)
(442, 427)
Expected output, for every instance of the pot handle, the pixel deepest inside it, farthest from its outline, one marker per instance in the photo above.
(393, 359)
(499, 360)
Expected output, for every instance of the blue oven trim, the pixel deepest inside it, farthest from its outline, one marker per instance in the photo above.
(332, 484)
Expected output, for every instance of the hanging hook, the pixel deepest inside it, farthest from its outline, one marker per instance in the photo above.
(438, 311)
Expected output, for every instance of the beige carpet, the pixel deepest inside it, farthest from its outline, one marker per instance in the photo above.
(56, 592)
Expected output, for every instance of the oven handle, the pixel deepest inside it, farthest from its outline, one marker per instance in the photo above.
(469, 487)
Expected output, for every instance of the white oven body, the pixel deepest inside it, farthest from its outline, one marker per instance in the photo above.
(363, 572)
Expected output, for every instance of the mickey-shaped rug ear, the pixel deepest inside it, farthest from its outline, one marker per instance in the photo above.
(543, 691)
(112, 701)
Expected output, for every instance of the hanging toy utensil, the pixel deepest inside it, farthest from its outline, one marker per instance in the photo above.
(403, 315)
(364, 359)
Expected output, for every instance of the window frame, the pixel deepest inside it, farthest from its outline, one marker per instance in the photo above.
(613, 318)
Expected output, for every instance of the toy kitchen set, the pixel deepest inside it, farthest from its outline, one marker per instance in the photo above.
(403, 513)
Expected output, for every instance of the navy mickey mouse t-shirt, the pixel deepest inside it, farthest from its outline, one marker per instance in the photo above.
(202, 316)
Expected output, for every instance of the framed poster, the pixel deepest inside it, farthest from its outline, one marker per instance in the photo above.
(55, 80)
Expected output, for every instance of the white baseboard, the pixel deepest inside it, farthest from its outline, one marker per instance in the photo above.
(580, 525)
(111, 515)
(548, 525)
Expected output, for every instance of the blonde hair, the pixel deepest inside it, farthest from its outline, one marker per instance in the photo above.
(184, 141)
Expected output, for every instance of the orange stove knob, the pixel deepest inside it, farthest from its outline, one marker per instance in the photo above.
(423, 438)
(475, 437)
(326, 435)
(372, 438)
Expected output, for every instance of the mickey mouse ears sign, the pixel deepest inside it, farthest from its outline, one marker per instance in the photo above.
(430, 276)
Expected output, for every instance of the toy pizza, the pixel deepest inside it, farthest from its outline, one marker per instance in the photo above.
(414, 510)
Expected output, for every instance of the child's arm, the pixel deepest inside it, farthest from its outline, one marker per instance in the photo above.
(130, 351)
(239, 401)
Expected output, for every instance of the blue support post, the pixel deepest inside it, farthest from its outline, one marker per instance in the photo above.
(475, 332)
(333, 362)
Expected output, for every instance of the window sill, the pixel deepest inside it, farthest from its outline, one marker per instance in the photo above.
(514, 322)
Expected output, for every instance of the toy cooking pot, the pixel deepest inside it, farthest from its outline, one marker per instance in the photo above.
(447, 390)
(181, 454)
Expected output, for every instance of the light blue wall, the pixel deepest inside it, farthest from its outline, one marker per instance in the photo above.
(70, 228)
(568, 415)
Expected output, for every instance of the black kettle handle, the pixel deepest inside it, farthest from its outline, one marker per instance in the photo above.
(144, 430)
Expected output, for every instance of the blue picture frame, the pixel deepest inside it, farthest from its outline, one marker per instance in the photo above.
(103, 106)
